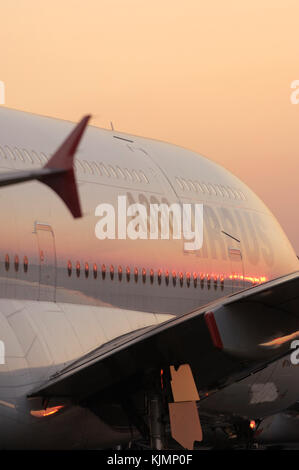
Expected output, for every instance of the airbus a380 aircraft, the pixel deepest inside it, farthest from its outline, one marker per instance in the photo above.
(110, 342)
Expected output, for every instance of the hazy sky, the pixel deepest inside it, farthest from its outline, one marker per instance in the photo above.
(212, 76)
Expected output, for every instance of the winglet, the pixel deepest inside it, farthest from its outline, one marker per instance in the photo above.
(64, 182)
(64, 156)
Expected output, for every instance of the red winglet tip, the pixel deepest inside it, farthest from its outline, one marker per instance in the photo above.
(63, 158)
(64, 184)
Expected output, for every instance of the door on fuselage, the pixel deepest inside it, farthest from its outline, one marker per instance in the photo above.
(237, 268)
(47, 261)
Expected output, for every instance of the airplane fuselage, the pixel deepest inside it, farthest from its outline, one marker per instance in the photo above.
(63, 291)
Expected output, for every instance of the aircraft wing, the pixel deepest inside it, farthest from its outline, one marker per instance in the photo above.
(221, 342)
(58, 173)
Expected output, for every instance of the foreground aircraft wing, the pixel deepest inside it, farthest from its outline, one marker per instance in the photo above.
(221, 343)
(58, 173)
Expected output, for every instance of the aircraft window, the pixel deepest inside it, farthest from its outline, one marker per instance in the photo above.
(80, 165)
(88, 166)
(152, 276)
(128, 174)
(69, 268)
(179, 183)
(144, 176)
(120, 273)
(25, 264)
(242, 195)
(86, 270)
(181, 276)
(188, 279)
(209, 189)
(238, 193)
(224, 190)
(143, 275)
(212, 189)
(205, 188)
(166, 277)
(18, 154)
(136, 274)
(121, 172)
(27, 154)
(128, 274)
(192, 185)
(9, 152)
(111, 272)
(97, 168)
(36, 156)
(174, 278)
(185, 184)
(6, 262)
(16, 263)
(78, 269)
(137, 177)
(44, 157)
(85, 167)
(2, 153)
(235, 193)
(195, 279)
(159, 276)
(103, 271)
(218, 189)
(112, 171)
(230, 192)
(198, 187)
(104, 170)
(95, 271)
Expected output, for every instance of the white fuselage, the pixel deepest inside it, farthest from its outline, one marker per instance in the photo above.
(64, 292)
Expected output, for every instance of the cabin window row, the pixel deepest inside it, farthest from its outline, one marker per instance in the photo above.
(144, 275)
(210, 189)
(15, 263)
(82, 166)
(120, 273)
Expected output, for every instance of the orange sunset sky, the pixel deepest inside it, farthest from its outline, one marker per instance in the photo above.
(212, 76)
